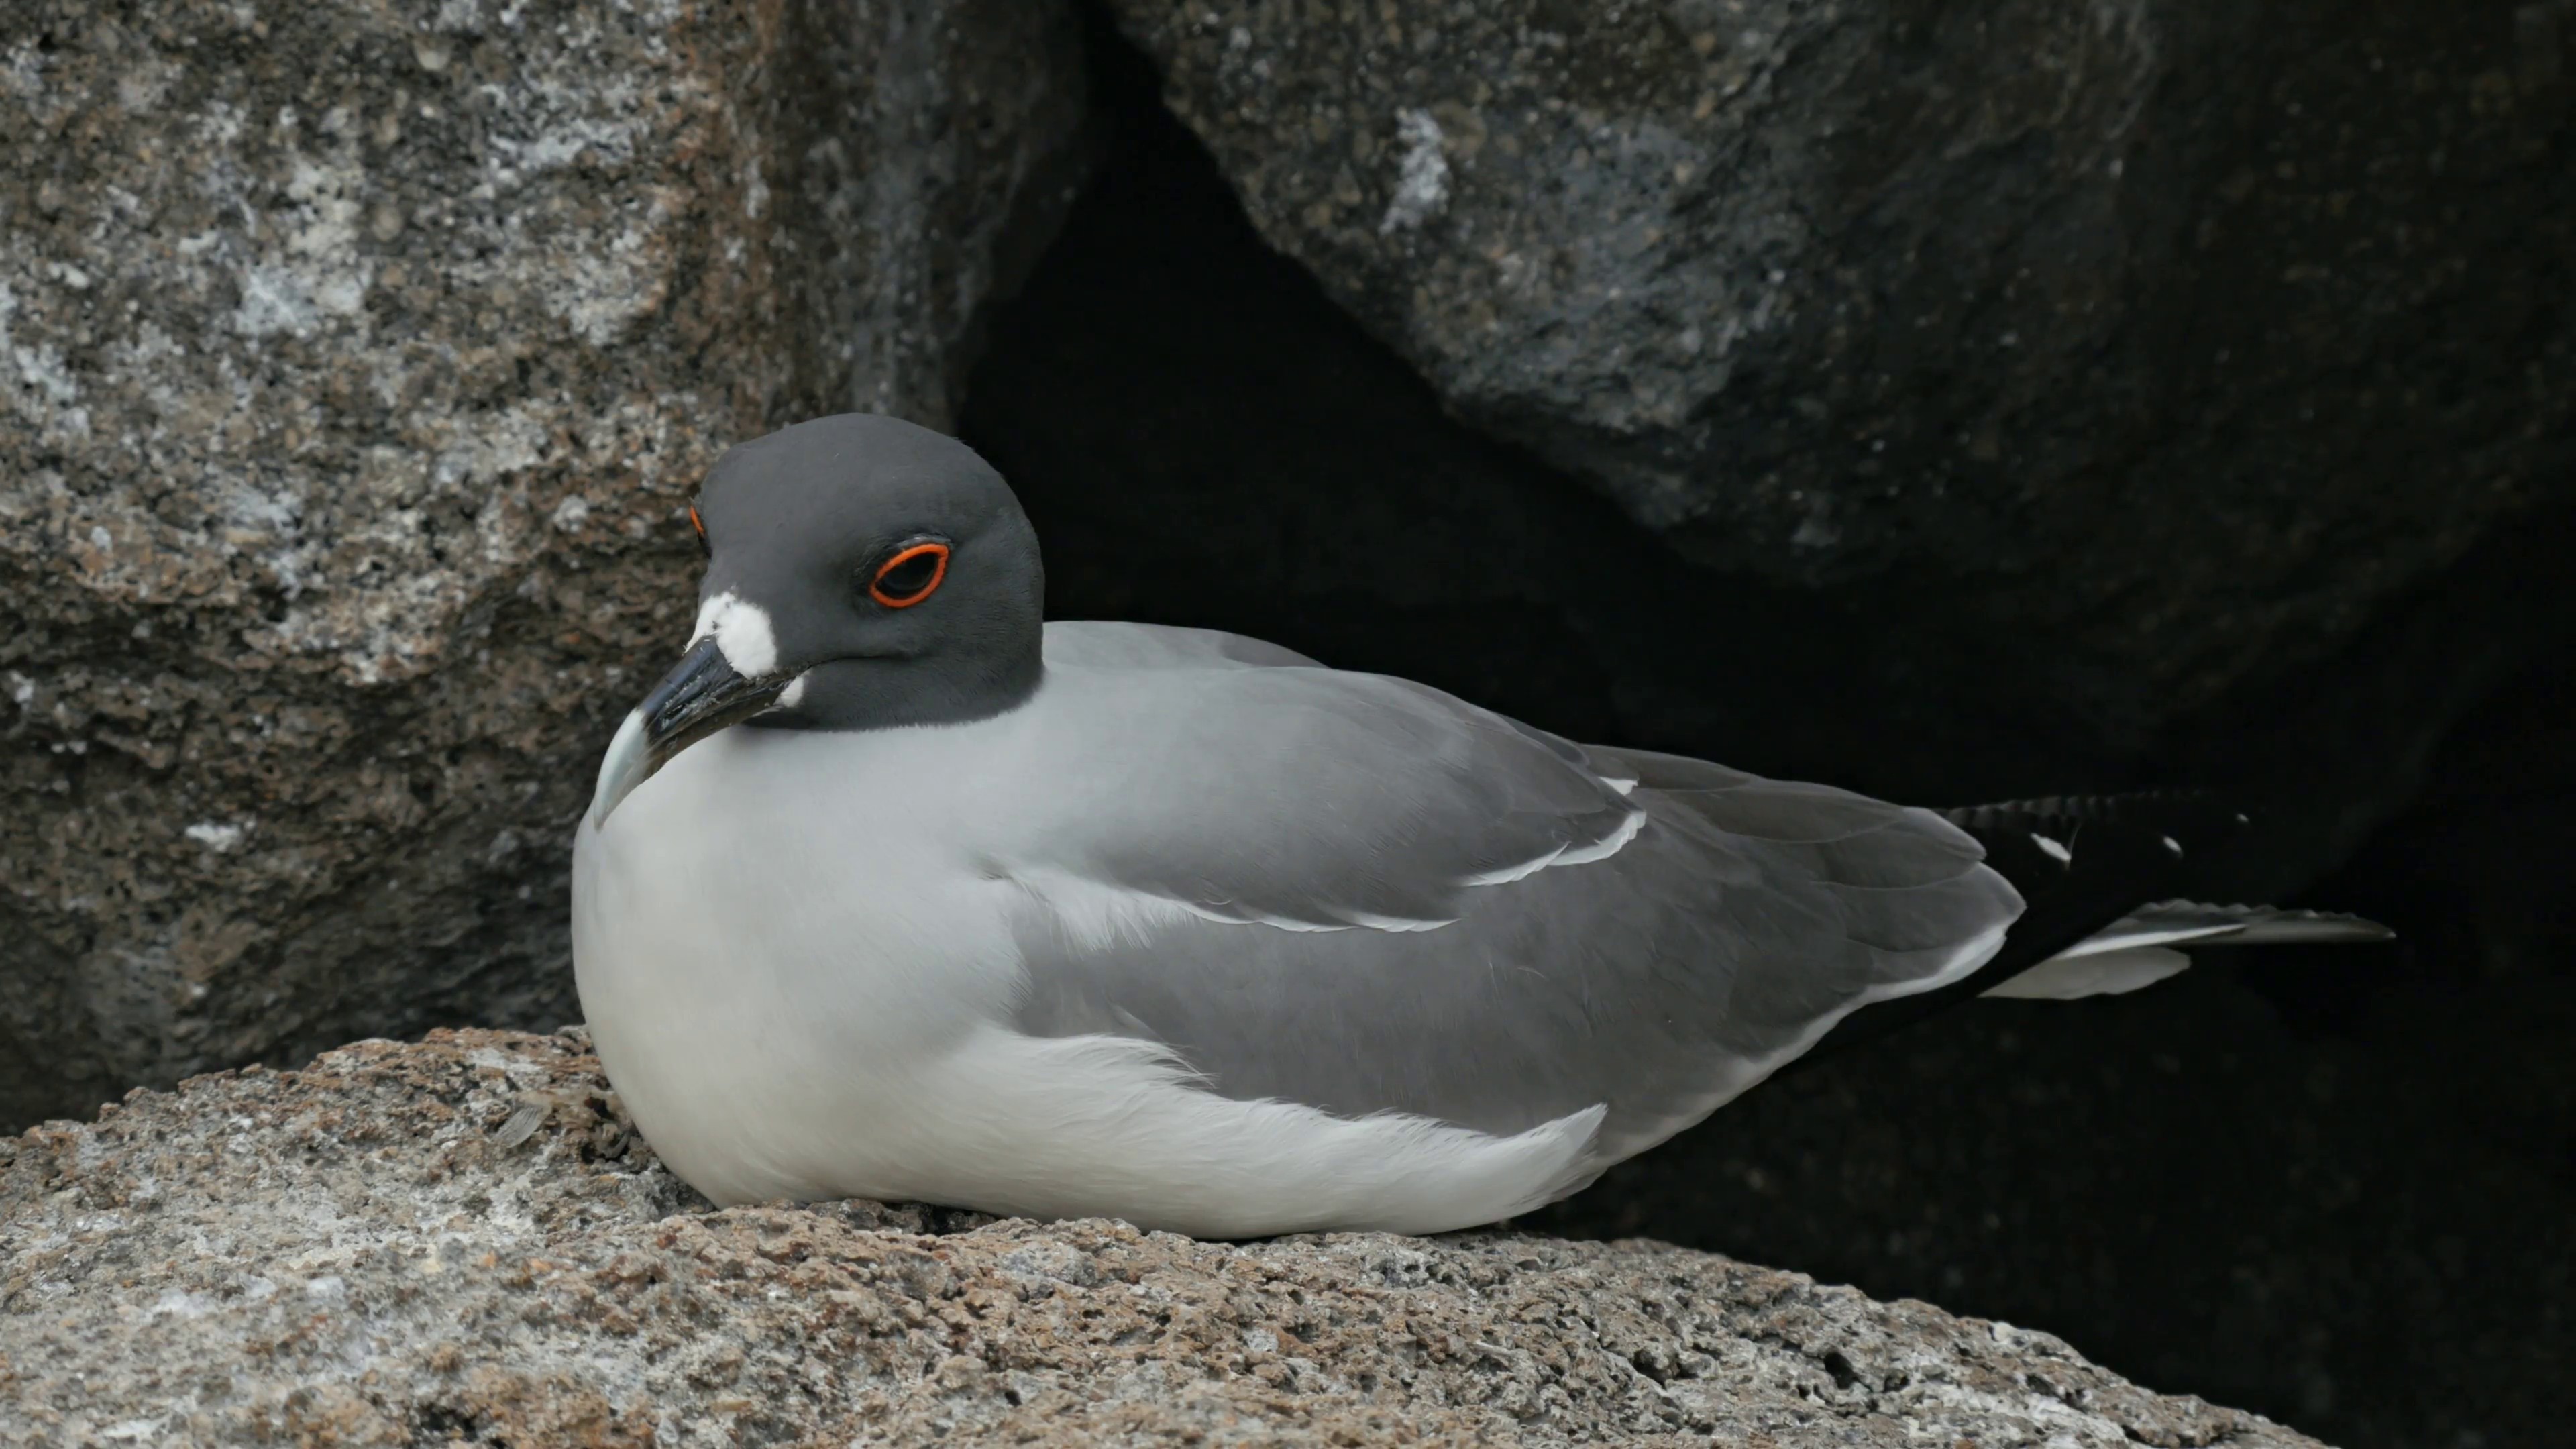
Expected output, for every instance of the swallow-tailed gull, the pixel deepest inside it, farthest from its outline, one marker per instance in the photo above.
(891, 890)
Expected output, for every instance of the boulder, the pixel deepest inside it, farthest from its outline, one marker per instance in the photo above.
(354, 364)
(2172, 341)
(463, 1239)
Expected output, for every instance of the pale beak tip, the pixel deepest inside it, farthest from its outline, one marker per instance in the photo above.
(621, 769)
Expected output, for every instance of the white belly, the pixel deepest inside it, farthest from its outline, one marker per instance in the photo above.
(796, 998)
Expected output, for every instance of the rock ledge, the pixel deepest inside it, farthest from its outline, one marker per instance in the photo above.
(461, 1240)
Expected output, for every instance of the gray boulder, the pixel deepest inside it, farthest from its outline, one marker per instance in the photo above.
(464, 1240)
(354, 365)
(2173, 340)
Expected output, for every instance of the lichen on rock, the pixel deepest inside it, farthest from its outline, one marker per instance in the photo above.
(354, 363)
(463, 1240)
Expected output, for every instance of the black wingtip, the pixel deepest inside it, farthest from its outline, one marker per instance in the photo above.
(2081, 862)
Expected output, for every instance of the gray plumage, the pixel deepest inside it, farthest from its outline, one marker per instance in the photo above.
(915, 896)
(1739, 918)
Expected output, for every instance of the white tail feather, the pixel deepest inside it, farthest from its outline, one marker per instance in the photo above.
(2096, 973)
(2137, 950)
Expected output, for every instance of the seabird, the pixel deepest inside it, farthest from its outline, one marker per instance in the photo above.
(892, 890)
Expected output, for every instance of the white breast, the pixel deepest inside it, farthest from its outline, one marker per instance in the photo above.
(795, 951)
(761, 936)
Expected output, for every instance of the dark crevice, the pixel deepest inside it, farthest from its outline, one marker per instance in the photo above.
(1202, 437)
(1835, 1362)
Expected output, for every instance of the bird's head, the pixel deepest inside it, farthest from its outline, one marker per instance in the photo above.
(862, 573)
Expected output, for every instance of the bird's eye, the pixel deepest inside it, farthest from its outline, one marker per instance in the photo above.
(705, 549)
(911, 575)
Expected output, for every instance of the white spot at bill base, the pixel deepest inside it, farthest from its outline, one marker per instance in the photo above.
(2173, 845)
(742, 630)
(2052, 847)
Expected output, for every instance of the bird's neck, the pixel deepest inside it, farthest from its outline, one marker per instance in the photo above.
(876, 694)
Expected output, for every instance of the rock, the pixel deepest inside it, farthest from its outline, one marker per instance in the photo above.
(2173, 342)
(353, 370)
(1203, 436)
(2205, 1197)
(462, 1239)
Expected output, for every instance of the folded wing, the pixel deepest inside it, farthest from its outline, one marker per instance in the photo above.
(1452, 915)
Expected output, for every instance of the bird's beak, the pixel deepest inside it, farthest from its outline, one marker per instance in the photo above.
(700, 696)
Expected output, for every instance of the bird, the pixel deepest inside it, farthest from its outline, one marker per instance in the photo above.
(892, 888)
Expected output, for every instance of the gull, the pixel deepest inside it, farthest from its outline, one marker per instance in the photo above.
(892, 889)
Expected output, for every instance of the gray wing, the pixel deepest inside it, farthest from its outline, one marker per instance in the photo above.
(1391, 900)
(1109, 644)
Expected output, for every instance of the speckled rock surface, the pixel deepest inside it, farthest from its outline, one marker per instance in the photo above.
(462, 1241)
(2171, 338)
(354, 360)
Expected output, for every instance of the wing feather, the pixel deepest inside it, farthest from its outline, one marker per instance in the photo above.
(1689, 929)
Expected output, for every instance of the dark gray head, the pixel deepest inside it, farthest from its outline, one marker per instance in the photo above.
(862, 573)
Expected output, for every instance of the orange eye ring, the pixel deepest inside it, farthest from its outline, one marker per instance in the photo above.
(910, 556)
(704, 547)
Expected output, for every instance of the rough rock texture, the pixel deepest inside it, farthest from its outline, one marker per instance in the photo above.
(461, 1240)
(2358, 1225)
(1203, 437)
(2172, 337)
(353, 362)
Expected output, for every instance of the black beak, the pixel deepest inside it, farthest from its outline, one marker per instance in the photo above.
(701, 695)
